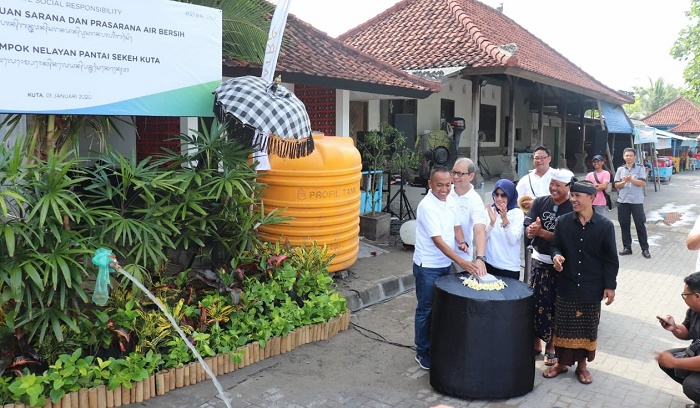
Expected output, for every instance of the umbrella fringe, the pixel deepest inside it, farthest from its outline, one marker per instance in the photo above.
(236, 129)
(290, 148)
(245, 134)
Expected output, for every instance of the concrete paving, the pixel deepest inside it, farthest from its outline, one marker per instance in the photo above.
(371, 365)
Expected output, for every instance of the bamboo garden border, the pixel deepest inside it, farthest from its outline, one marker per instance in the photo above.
(192, 373)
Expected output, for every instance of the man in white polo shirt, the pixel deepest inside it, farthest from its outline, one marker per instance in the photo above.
(438, 234)
(470, 211)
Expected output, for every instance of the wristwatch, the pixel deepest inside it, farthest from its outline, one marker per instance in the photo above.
(482, 258)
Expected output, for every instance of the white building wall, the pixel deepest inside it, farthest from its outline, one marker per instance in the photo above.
(457, 90)
(373, 114)
(428, 114)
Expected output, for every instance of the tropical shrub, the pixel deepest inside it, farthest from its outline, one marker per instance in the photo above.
(54, 213)
(128, 339)
(42, 259)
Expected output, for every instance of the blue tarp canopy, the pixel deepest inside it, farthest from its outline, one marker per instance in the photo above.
(616, 120)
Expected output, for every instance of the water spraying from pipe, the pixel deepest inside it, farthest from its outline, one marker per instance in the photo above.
(106, 261)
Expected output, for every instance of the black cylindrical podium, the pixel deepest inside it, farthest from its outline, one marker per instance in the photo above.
(481, 341)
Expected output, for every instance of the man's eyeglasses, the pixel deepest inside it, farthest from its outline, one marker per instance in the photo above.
(504, 195)
(539, 158)
(555, 209)
(685, 295)
(458, 173)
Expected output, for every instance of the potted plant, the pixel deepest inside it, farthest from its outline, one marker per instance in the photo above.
(380, 150)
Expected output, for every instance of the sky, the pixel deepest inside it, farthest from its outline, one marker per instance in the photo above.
(621, 43)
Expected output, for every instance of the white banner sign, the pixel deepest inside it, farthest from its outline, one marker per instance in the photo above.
(663, 143)
(106, 57)
(644, 135)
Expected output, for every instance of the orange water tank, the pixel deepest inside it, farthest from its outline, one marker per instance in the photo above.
(322, 192)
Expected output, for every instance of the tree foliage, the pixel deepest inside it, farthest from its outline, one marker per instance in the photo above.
(687, 48)
(650, 99)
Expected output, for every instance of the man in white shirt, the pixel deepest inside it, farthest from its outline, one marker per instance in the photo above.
(536, 182)
(438, 233)
(470, 211)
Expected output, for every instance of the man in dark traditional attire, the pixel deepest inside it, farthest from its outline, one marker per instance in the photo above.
(585, 255)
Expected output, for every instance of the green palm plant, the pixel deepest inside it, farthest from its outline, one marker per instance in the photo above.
(127, 197)
(217, 204)
(42, 260)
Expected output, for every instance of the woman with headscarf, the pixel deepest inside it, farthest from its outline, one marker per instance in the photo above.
(505, 231)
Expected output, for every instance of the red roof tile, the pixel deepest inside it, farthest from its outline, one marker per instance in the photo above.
(423, 34)
(691, 125)
(676, 113)
(311, 56)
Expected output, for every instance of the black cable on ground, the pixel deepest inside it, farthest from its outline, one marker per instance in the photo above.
(363, 331)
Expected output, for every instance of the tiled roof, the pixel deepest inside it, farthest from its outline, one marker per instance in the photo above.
(311, 57)
(676, 113)
(424, 34)
(691, 125)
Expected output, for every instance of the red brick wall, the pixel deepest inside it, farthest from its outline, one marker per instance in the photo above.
(153, 133)
(320, 105)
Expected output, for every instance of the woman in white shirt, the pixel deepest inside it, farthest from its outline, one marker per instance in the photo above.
(505, 231)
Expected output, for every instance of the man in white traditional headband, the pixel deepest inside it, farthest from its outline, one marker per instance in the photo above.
(539, 226)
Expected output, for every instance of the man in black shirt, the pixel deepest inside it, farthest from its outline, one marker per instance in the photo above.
(685, 370)
(585, 255)
(539, 226)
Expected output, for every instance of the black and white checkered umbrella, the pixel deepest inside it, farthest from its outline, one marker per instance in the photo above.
(279, 119)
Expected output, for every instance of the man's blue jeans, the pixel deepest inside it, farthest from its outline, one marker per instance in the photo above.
(425, 286)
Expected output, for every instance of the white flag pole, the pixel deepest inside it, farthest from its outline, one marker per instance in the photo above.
(274, 39)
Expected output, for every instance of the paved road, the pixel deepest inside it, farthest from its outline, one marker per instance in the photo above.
(360, 369)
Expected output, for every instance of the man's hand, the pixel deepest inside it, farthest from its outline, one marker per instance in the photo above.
(666, 359)
(480, 267)
(558, 262)
(534, 229)
(668, 323)
(610, 295)
(468, 267)
(463, 247)
(476, 268)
